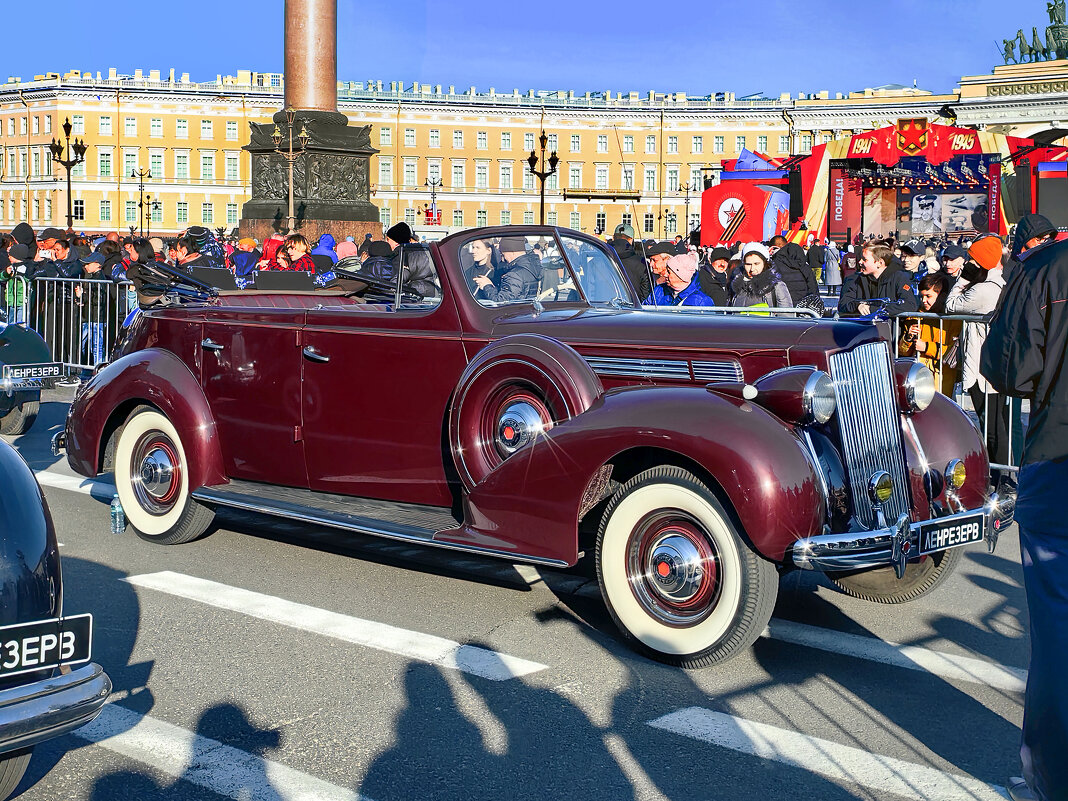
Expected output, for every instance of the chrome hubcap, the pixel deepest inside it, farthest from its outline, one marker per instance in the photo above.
(676, 568)
(673, 569)
(157, 473)
(519, 423)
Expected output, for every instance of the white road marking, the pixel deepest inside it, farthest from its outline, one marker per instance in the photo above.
(101, 490)
(381, 636)
(222, 769)
(946, 666)
(829, 759)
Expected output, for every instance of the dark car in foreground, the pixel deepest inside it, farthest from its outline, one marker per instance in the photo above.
(695, 457)
(48, 686)
(26, 367)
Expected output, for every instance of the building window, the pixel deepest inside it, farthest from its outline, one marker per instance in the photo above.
(482, 140)
(698, 144)
(506, 217)
(458, 217)
(528, 179)
(36, 162)
(155, 164)
(481, 176)
(48, 124)
(506, 140)
(576, 220)
(435, 137)
(155, 128)
(806, 143)
(231, 214)
(206, 131)
(628, 176)
(481, 218)
(409, 137)
(181, 166)
(718, 144)
(458, 140)
(207, 166)
(48, 205)
(552, 183)
(207, 213)
(601, 176)
(762, 144)
(131, 211)
(231, 130)
(528, 141)
(650, 179)
(181, 214)
(105, 125)
(233, 167)
(157, 211)
(550, 218)
(528, 218)
(104, 165)
(784, 144)
(826, 139)
(552, 144)
(670, 223)
(649, 221)
(105, 211)
(385, 137)
(739, 144)
(628, 144)
(78, 211)
(409, 172)
(458, 176)
(181, 129)
(384, 217)
(695, 179)
(576, 143)
(506, 176)
(602, 222)
(602, 143)
(673, 144)
(129, 163)
(78, 171)
(36, 125)
(409, 216)
(650, 144)
(574, 180)
(433, 171)
(77, 124)
(385, 173)
(11, 132)
(673, 179)
(129, 127)
(627, 218)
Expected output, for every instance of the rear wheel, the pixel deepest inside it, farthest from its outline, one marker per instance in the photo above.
(22, 414)
(882, 585)
(676, 575)
(152, 480)
(12, 768)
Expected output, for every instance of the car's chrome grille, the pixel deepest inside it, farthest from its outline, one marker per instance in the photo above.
(717, 371)
(870, 426)
(675, 369)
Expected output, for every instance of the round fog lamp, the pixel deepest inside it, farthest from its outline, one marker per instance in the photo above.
(956, 475)
(880, 487)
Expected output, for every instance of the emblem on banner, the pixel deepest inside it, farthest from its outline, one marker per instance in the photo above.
(912, 136)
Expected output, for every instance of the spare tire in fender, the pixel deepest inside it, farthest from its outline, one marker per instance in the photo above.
(511, 384)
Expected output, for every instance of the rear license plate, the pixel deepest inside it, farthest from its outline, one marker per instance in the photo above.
(45, 644)
(942, 534)
(16, 371)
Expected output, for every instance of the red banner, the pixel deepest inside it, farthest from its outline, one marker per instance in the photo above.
(993, 199)
(846, 199)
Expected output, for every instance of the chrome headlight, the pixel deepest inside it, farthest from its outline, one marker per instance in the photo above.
(915, 384)
(817, 398)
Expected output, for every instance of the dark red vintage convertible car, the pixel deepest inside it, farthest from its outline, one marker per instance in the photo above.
(697, 456)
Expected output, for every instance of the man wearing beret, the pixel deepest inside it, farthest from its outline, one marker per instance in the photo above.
(519, 275)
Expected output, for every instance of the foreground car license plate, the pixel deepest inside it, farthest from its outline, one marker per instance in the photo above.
(45, 644)
(942, 534)
(51, 370)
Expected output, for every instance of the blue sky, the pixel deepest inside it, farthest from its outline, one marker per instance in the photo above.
(769, 46)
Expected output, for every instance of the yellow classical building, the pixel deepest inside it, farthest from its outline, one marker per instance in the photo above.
(623, 156)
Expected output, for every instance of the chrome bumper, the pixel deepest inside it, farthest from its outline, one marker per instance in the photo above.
(885, 547)
(33, 713)
(59, 442)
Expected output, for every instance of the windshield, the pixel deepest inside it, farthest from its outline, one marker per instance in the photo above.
(503, 270)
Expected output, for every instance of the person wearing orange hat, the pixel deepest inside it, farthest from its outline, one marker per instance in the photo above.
(977, 292)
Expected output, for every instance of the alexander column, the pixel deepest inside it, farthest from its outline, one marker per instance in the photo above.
(331, 163)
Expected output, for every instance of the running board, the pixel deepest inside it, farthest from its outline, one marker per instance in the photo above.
(390, 519)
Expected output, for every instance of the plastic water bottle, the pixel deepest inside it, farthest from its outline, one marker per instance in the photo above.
(118, 517)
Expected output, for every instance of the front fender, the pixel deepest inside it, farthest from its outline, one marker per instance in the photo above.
(531, 502)
(156, 377)
(20, 345)
(946, 433)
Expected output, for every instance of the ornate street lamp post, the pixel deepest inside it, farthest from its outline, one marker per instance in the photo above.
(75, 149)
(433, 183)
(153, 207)
(687, 188)
(140, 175)
(290, 156)
(542, 174)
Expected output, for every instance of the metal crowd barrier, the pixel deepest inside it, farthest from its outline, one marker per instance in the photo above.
(79, 319)
(1013, 447)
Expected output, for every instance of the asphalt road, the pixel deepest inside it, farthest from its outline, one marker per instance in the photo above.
(280, 661)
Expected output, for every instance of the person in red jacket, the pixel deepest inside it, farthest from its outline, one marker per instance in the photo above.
(300, 258)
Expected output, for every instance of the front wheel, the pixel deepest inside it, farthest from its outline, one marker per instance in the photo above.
(12, 768)
(675, 573)
(882, 585)
(20, 417)
(152, 479)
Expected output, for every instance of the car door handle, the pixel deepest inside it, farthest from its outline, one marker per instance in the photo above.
(315, 355)
(207, 344)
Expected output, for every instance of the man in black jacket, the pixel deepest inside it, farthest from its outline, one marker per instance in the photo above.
(878, 278)
(1024, 356)
(790, 262)
(713, 277)
(518, 277)
(634, 264)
